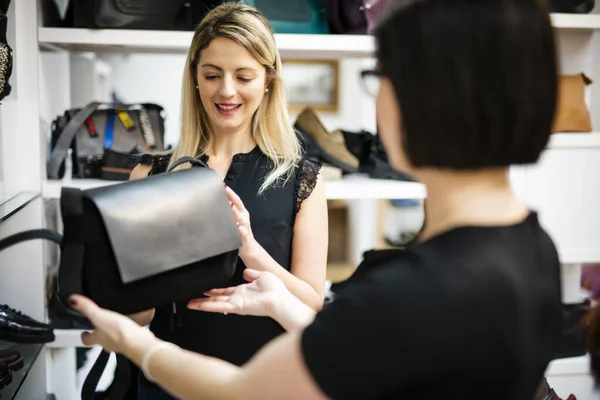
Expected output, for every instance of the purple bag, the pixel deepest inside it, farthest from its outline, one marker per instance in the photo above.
(374, 8)
(346, 17)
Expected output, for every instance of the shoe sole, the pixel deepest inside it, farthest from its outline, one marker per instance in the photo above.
(17, 364)
(5, 380)
(325, 156)
(27, 338)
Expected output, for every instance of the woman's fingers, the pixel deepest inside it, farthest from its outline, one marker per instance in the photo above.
(215, 304)
(220, 291)
(234, 198)
(251, 275)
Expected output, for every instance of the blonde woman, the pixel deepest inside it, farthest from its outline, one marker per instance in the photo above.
(234, 117)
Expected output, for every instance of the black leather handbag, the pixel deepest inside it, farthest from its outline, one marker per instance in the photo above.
(571, 6)
(129, 14)
(93, 130)
(142, 244)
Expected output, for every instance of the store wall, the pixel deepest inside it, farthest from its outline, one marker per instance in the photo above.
(157, 78)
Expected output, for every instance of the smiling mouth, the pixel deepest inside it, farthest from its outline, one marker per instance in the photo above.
(228, 107)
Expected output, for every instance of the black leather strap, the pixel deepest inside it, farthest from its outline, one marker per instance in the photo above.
(59, 153)
(183, 160)
(32, 234)
(121, 379)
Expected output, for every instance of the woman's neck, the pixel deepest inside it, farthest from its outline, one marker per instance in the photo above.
(456, 199)
(227, 144)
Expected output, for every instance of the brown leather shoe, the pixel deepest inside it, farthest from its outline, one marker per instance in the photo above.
(12, 358)
(330, 145)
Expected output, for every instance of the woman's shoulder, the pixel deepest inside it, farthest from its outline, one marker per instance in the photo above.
(158, 163)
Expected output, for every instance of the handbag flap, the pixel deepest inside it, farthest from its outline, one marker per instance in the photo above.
(166, 221)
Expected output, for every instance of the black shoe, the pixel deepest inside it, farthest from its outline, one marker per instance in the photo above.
(17, 327)
(12, 358)
(5, 375)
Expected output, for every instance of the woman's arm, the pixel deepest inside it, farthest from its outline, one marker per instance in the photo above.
(143, 318)
(278, 371)
(306, 278)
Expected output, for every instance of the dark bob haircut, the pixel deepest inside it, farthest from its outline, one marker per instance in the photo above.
(476, 80)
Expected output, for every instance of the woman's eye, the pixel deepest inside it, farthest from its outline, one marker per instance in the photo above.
(211, 77)
(245, 80)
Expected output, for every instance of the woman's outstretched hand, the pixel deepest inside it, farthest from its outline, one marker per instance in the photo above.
(242, 217)
(259, 298)
(112, 330)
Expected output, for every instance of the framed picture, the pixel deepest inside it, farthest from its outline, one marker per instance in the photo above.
(311, 83)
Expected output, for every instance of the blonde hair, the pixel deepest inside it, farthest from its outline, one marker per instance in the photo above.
(271, 128)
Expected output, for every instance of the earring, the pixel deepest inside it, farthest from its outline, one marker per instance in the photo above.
(196, 86)
(266, 90)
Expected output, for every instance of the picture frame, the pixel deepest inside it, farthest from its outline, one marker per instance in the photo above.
(311, 83)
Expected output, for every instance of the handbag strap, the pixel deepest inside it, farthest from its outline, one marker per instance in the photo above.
(183, 160)
(120, 383)
(60, 151)
(32, 234)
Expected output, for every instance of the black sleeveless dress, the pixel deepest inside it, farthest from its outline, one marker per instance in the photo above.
(236, 338)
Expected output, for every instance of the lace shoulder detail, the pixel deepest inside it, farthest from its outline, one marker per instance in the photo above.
(306, 180)
(158, 162)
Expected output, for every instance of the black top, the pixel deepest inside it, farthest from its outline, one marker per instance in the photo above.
(236, 338)
(473, 313)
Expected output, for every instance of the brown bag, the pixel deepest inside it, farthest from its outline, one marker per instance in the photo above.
(572, 114)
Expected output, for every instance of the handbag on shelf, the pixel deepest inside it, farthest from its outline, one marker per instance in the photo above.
(293, 16)
(142, 244)
(125, 129)
(128, 14)
(373, 9)
(346, 17)
(572, 113)
(571, 6)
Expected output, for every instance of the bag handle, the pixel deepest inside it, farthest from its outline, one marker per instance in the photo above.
(32, 234)
(59, 153)
(121, 379)
(183, 160)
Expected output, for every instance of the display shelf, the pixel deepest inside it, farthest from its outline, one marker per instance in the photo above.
(290, 45)
(29, 352)
(13, 204)
(576, 21)
(574, 140)
(579, 256)
(66, 338)
(569, 366)
(350, 187)
(178, 42)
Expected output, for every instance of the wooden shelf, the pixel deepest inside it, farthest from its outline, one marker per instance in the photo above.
(350, 187)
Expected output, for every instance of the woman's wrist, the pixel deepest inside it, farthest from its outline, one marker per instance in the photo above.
(251, 254)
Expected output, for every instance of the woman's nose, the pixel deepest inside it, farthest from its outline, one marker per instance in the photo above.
(227, 88)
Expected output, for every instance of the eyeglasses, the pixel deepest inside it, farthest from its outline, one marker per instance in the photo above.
(371, 81)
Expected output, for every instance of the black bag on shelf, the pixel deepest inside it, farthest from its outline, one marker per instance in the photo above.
(129, 14)
(571, 6)
(142, 244)
(91, 131)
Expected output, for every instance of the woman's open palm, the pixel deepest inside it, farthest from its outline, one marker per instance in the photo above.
(257, 298)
